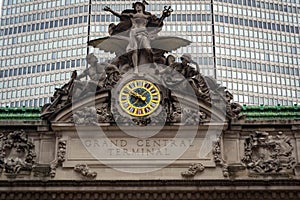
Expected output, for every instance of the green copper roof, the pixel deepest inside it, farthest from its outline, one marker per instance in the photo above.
(251, 112)
(271, 112)
(20, 113)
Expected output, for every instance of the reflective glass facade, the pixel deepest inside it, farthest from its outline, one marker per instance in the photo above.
(257, 50)
(41, 42)
(191, 20)
(251, 47)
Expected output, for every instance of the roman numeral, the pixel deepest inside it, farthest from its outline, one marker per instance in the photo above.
(124, 98)
(153, 104)
(131, 109)
(125, 105)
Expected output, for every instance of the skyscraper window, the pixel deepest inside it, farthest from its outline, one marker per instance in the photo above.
(248, 40)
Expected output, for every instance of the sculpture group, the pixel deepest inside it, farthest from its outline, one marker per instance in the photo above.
(264, 154)
(136, 44)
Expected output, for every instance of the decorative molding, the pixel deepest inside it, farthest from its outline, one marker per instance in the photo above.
(253, 184)
(234, 111)
(93, 115)
(61, 98)
(217, 152)
(17, 153)
(104, 113)
(176, 113)
(180, 194)
(193, 117)
(142, 121)
(85, 171)
(266, 154)
(152, 189)
(41, 170)
(193, 170)
(85, 116)
(61, 153)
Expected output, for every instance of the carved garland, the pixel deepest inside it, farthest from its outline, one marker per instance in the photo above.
(85, 171)
(193, 170)
(16, 153)
(61, 153)
(218, 157)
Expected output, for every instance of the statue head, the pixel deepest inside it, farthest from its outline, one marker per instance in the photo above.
(186, 58)
(170, 60)
(111, 28)
(109, 69)
(91, 58)
(139, 6)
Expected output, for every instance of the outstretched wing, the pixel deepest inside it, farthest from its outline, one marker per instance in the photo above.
(118, 44)
(110, 44)
(169, 43)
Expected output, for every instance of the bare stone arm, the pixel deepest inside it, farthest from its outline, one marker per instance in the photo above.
(83, 74)
(108, 9)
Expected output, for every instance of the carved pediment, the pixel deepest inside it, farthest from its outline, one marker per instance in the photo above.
(98, 109)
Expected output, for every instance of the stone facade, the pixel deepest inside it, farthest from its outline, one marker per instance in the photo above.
(143, 126)
(249, 159)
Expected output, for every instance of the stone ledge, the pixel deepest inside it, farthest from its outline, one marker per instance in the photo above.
(159, 189)
(149, 183)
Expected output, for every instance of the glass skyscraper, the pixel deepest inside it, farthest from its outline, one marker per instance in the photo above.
(41, 42)
(257, 49)
(251, 47)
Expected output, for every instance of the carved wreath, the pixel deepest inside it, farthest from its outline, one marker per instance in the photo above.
(267, 154)
(16, 152)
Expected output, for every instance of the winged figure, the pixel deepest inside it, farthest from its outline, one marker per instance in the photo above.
(136, 34)
(118, 44)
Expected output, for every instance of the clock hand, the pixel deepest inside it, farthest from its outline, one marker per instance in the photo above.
(142, 96)
(136, 101)
(131, 92)
(137, 95)
(144, 93)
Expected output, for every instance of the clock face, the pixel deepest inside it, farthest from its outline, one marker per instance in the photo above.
(139, 98)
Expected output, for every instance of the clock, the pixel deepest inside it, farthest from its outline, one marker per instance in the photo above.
(139, 98)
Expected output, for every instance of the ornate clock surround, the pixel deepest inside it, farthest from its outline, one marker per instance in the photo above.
(139, 97)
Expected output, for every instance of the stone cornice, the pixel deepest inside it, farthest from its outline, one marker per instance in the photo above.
(151, 189)
(150, 183)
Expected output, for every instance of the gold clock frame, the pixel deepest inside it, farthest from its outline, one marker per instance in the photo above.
(144, 93)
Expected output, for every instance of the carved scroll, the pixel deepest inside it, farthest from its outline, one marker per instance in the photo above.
(193, 170)
(85, 171)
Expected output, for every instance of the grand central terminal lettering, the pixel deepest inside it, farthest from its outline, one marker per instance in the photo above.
(145, 147)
